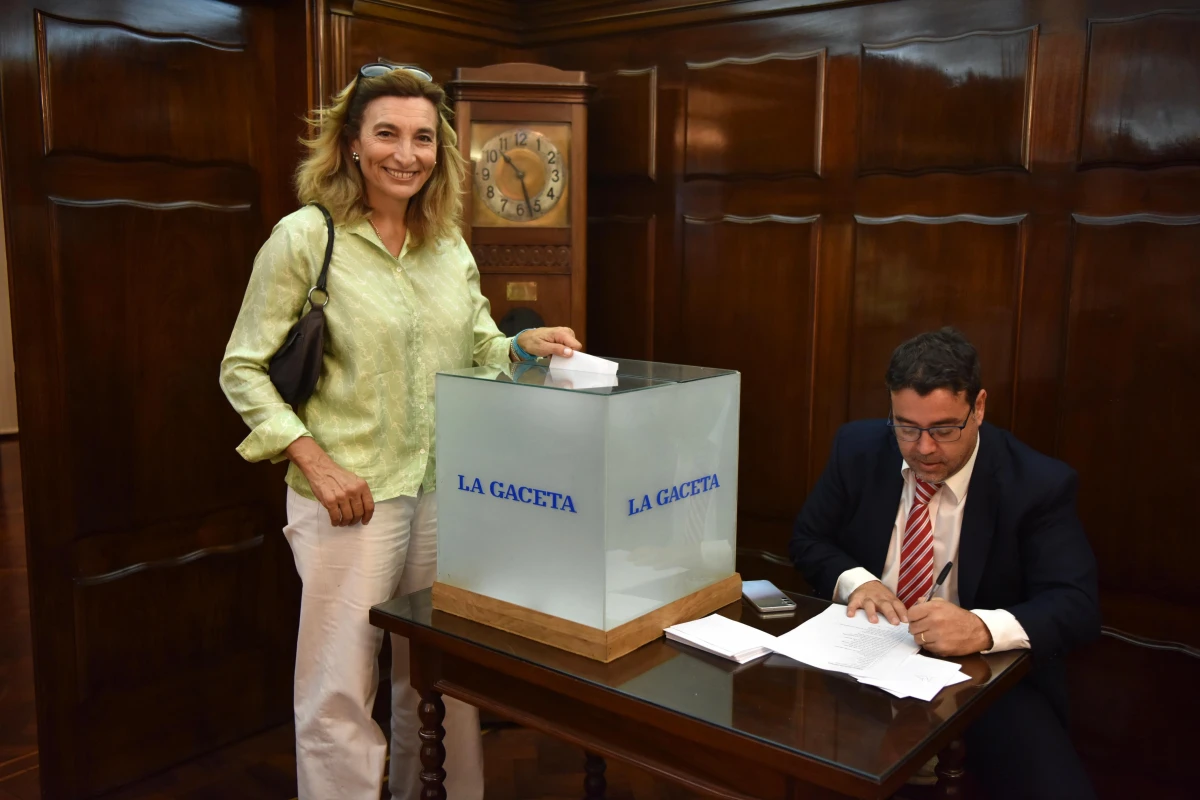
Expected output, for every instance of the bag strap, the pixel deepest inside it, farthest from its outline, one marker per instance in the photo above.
(328, 249)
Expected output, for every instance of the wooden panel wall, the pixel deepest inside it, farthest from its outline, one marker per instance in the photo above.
(812, 187)
(158, 576)
(438, 36)
(778, 189)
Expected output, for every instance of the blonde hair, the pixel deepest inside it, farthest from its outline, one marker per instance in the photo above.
(328, 176)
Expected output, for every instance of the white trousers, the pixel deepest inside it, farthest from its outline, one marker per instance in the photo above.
(339, 748)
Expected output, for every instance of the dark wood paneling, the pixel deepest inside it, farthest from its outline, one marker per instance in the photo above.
(621, 286)
(133, 215)
(913, 274)
(621, 123)
(960, 103)
(921, 107)
(114, 657)
(555, 21)
(18, 714)
(127, 389)
(742, 278)
(728, 102)
(1127, 704)
(1141, 91)
(943, 109)
(500, 23)
(170, 85)
(367, 39)
(1131, 370)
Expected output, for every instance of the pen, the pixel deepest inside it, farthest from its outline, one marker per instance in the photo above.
(941, 579)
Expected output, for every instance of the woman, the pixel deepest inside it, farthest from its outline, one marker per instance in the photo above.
(404, 303)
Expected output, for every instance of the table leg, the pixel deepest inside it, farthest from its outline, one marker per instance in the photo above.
(594, 783)
(950, 770)
(433, 752)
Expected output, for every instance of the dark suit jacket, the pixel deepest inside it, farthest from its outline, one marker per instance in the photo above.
(1022, 547)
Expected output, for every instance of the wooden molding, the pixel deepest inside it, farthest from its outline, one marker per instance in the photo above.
(496, 255)
(580, 639)
(554, 21)
(520, 83)
(525, 93)
(1150, 643)
(500, 22)
(539, 74)
(525, 23)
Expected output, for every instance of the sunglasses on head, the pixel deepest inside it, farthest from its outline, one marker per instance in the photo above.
(383, 68)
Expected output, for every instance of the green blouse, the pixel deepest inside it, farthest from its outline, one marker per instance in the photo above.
(391, 324)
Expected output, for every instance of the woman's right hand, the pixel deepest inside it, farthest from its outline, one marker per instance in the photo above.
(343, 494)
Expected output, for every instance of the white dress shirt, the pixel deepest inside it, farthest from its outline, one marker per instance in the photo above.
(946, 509)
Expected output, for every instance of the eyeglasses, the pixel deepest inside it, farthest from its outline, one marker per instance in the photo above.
(939, 433)
(383, 68)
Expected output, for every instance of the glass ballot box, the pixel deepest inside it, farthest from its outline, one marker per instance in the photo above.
(587, 511)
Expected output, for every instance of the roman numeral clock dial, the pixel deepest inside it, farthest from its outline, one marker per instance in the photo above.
(520, 175)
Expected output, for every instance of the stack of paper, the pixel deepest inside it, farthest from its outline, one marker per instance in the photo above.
(919, 677)
(878, 654)
(723, 637)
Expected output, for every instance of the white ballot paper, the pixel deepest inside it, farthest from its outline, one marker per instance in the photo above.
(853, 645)
(576, 379)
(582, 362)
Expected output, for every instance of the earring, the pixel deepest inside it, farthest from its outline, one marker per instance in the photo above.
(355, 157)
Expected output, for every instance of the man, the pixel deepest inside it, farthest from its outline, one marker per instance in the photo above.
(934, 485)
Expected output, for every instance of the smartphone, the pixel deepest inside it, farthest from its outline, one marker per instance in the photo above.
(766, 597)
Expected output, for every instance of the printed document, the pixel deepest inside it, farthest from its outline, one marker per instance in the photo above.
(853, 645)
(920, 677)
(878, 654)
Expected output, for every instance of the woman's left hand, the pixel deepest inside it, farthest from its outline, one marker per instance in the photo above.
(543, 342)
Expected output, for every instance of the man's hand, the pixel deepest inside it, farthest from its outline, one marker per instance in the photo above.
(944, 629)
(875, 598)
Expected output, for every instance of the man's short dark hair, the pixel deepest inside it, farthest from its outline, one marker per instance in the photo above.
(936, 360)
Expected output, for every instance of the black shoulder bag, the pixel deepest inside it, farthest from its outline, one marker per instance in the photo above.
(296, 366)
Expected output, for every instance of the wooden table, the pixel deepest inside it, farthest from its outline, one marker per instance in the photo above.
(772, 728)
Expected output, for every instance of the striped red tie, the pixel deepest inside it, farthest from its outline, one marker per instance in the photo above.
(916, 554)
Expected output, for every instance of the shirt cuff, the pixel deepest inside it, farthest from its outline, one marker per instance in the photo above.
(495, 353)
(848, 581)
(1007, 633)
(272, 437)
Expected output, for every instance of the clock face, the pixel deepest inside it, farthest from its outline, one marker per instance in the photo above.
(521, 175)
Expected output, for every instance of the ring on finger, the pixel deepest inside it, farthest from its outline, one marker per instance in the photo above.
(923, 639)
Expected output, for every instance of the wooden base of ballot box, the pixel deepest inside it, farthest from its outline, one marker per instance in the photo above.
(582, 639)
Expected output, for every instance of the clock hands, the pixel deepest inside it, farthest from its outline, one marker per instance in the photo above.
(521, 178)
(516, 169)
(528, 202)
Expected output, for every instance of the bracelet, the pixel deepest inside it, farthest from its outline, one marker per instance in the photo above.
(518, 351)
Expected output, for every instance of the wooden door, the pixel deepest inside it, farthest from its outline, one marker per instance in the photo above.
(147, 146)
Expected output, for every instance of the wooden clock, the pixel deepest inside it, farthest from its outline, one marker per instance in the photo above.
(523, 128)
